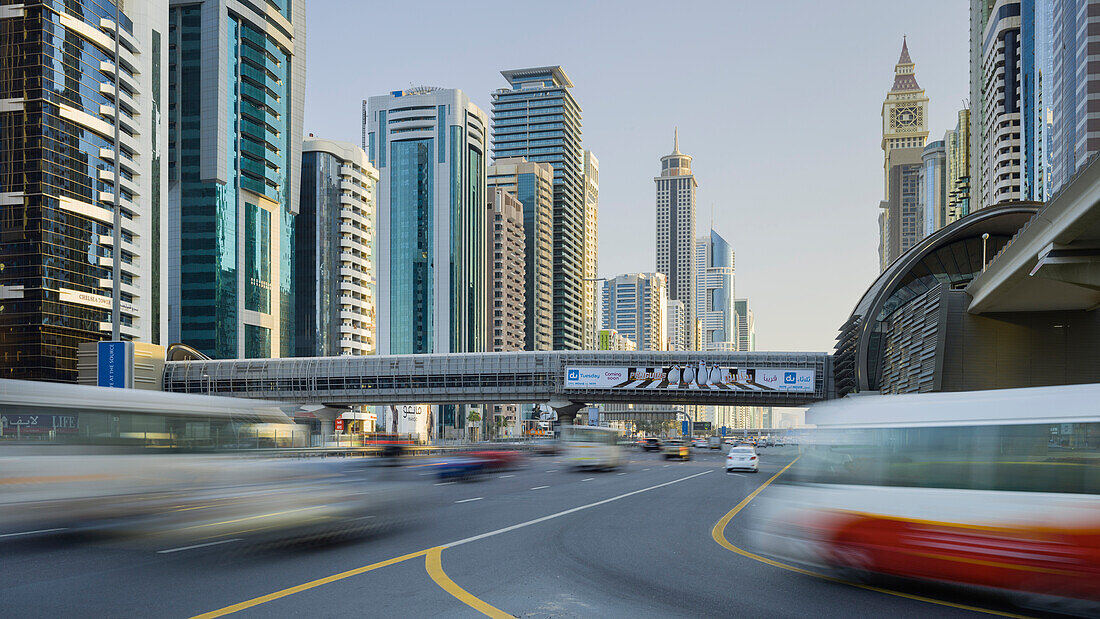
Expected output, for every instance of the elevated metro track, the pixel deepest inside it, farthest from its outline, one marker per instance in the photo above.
(721, 378)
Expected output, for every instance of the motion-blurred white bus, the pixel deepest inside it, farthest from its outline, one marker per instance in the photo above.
(992, 489)
(592, 447)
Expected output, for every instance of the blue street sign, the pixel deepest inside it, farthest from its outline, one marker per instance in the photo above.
(723, 430)
(685, 428)
(112, 364)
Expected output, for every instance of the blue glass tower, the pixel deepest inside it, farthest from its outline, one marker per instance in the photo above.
(429, 146)
(538, 119)
(236, 92)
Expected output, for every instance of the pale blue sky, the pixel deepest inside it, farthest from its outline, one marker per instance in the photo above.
(778, 102)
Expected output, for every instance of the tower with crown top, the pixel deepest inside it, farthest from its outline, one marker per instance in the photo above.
(676, 195)
(904, 134)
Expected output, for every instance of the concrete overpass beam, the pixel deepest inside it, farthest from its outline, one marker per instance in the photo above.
(1076, 263)
(566, 409)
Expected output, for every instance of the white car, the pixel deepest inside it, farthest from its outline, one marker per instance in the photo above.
(700, 443)
(742, 458)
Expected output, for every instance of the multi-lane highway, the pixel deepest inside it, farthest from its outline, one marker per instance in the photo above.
(540, 541)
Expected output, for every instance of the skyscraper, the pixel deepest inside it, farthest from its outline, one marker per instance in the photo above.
(957, 143)
(932, 187)
(904, 132)
(999, 164)
(237, 87)
(676, 328)
(746, 326)
(715, 288)
(429, 145)
(635, 305)
(533, 185)
(1017, 90)
(538, 118)
(82, 127)
(676, 188)
(591, 245)
(504, 271)
(505, 280)
(334, 251)
(1076, 127)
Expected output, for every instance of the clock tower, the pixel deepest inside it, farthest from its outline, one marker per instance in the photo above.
(905, 110)
(904, 134)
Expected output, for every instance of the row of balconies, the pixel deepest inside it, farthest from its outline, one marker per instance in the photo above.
(357, 216)
(357, 241)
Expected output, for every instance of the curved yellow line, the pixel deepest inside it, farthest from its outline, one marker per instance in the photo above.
(719, 535)
(433, 562)
(302, 587)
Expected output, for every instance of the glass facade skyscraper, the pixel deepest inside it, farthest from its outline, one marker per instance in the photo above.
(932, 187)
(538, 119)
(715, 291)
(81, 132)
(429, 146)
(237, 91)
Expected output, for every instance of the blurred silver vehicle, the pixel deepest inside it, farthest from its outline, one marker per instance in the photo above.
(175, 468)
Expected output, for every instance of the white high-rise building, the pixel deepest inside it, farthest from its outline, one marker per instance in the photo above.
(334, 310)
(676, 189)
(591, 246)
(635, 305)
(715, 293)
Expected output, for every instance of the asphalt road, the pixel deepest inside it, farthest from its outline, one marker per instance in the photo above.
(541, 541)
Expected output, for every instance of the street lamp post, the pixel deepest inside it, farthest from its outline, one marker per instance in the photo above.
(985, 237)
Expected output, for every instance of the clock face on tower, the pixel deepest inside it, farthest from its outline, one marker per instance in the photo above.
(906, 117)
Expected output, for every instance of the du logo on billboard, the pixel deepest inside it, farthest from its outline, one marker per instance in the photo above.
(574, 374)
(790, 378)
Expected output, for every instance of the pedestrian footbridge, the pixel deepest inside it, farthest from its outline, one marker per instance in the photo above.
(564, 379)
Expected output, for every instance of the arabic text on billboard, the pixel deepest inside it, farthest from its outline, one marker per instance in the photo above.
(698, 377)
(13, 425)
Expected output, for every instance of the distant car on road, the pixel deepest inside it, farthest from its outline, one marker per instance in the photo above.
(676, 448)
(714, 442)
(700, 443)
(651, 444)
(742, 458)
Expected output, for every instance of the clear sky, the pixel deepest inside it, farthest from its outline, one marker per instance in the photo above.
(778, 102)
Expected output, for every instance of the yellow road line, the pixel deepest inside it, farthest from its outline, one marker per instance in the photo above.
(433, 562)
(309, 585)
(719, 535)
(441, 582)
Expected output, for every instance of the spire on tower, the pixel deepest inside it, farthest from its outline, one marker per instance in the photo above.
(904, 72)
(904, 59)
(675, 140)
